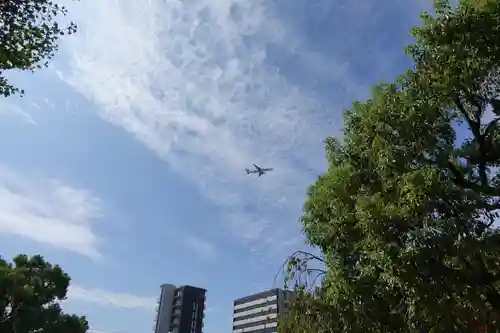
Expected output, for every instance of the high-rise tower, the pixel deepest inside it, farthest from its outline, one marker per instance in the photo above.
(180, 309)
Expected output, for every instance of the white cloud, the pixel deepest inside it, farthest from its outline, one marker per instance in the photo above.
(201, 247)
(190, 81)
(193, 82)
(110, 299)
(49, 212)
(10, 109)
(249, 227)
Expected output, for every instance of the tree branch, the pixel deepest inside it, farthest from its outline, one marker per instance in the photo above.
(472, 125)
(475, 127)
(317, 276)
(490, 126)
(461, 181)
(308, 257)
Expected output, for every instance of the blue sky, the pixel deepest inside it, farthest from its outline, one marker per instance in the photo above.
(124, 162)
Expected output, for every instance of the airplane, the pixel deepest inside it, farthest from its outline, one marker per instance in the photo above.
(258, 170)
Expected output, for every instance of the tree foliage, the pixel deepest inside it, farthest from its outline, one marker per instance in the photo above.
(404, 215)
(29, 35)
(30, 291)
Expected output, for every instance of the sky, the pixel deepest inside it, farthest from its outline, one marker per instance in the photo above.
(124, 162)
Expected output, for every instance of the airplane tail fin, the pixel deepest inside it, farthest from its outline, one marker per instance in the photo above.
(248, 171)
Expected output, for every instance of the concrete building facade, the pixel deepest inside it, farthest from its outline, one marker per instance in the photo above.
(180, 309)
(260, 312)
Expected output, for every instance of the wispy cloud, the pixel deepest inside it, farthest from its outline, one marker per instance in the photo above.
(201, 247)
(48, 211)
(110, 299)
(191, 82)
(10, 109)
(194, 82)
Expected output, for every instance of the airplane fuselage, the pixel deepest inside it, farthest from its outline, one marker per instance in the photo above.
(258, 170)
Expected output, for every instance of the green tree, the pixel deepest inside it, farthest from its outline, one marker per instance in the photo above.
(30, 291)
(29, 35)
(404, 215)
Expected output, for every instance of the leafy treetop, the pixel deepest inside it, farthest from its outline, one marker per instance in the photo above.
(29, 34)
(30, 291)
(404, 215)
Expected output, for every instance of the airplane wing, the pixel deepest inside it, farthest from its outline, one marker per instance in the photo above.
(256, 166)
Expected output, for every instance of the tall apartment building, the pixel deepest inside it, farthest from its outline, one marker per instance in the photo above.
(259, 313)
(180, 309)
